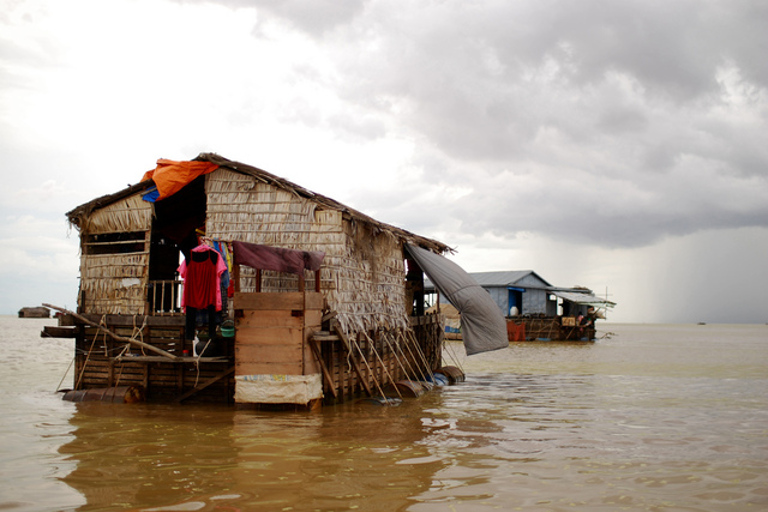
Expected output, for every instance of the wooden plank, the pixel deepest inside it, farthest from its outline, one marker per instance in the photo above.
(51, 331)
(267, 369)
(256, 319)
(313, 319)
(325, 336)
(279, 301)
(269, 301)
(314, 300)
(269, 354)
(137, 320)
(270, 336)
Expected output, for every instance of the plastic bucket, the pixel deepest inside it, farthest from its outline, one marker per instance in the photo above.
(228, 329)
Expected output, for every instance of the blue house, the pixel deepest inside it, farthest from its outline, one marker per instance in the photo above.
(524, 292)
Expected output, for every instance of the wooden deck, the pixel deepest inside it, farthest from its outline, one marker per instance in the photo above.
(284, 338)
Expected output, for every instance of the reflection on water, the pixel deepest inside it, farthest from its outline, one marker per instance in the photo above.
(659, 418)
(205, 458)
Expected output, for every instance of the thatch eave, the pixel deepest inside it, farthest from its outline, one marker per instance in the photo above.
(76, 216)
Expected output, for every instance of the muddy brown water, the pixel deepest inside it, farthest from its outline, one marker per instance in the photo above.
(657, 418)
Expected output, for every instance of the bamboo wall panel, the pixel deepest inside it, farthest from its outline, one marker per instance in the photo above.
(362, 273)
(116, 283)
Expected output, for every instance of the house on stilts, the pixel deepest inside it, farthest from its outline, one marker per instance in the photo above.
(312, 301)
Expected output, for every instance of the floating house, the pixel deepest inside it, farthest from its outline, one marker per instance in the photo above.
(35, 312)
(312, 302)
(537, 310)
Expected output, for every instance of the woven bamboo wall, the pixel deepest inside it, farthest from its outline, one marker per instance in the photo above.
(116, 283)
(362, 274)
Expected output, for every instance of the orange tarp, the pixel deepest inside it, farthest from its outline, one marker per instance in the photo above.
(171, 176)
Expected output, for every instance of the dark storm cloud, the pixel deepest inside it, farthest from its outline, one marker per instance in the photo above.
(641, 120)
(638, 119)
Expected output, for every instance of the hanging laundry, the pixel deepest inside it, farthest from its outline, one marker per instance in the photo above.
(202, 277)
(202, 274)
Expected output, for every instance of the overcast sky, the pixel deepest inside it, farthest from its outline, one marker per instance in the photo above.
(618, 145)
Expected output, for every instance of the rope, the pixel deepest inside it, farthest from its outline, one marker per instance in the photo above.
(65, 373)
(197, 362)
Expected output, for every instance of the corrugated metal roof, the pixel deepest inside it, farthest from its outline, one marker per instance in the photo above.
(501, 279)
(586, 299)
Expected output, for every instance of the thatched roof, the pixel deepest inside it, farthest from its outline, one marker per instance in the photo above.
(76, 216)
(79, 214)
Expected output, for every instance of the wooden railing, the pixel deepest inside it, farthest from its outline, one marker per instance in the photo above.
(164, 297)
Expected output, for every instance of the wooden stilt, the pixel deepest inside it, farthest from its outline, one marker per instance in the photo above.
(326, 373)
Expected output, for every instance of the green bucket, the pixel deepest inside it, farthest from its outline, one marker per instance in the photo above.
(228, 329)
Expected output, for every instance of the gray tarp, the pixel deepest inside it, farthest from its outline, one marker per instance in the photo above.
(483, 327)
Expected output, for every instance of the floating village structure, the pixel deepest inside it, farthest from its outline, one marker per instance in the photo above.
(35, 312)
(535, 310)
(315, 302)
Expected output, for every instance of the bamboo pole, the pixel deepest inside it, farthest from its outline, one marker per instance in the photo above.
(383, 366)
(114, 336)
(423, 359)
(415, 360)
(397, 358)
(370, 371)
(347, 345)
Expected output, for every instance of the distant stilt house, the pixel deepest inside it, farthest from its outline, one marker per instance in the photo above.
(537, 310)
(36, 312)
(312, 300)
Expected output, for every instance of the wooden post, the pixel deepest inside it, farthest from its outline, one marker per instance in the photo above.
(236, 276)
(326, 373)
